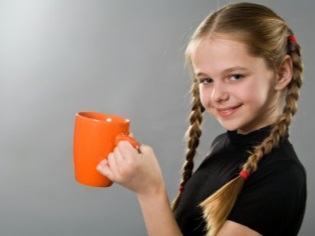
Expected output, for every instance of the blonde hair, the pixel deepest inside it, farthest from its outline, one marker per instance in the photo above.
(266, 35)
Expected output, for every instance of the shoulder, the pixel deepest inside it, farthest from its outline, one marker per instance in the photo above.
(274, 195)
(277, 179)
(282, 161)
(279, 175)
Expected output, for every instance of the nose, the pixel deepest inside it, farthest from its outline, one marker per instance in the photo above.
(219, 92)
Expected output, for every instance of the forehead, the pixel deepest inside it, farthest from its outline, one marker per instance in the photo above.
(219, 53)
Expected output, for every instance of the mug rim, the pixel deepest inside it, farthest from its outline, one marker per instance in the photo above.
(102, 117)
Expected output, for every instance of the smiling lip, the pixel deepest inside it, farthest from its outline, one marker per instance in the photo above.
(228, 111)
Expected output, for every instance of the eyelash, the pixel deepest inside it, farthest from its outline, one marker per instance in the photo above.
(233, 77)
(205, 81)
(236, 76)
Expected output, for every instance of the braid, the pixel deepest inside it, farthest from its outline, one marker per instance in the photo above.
(193, 133)
(281, 126)
(218, 206)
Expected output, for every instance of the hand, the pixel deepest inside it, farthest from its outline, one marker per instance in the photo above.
(139, 172)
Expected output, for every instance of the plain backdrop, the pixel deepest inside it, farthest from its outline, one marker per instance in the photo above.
(58, 57)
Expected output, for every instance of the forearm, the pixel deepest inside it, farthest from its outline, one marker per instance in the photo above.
(158, 215)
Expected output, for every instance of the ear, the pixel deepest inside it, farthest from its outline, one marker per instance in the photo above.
(284, 73)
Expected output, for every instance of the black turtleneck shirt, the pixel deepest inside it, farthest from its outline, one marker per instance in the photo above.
(272, 201)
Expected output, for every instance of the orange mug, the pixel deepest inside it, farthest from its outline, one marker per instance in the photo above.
(95, 136)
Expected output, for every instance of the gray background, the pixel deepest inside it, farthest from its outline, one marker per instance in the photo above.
(122, 57)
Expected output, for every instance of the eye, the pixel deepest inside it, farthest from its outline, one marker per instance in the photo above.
(236, 77)
(205, 81)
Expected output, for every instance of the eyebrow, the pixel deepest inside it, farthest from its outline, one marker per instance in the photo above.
(226, 71)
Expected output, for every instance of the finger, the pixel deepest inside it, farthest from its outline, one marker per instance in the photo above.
(127, 150)
(112, 163)
(104, 169)
(103, 163)
(145, 149)
(108, 167)
(118, 156)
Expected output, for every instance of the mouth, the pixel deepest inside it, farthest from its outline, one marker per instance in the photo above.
(227, 111)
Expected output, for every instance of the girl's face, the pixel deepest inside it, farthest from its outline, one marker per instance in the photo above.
(238, 89)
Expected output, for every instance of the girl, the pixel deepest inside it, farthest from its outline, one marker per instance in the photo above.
(246, 69)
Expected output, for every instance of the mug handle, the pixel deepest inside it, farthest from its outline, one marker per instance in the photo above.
(131, 140)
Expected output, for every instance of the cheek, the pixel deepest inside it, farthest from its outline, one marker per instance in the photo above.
(254, 97)
(253, 92)
(249, 96)
(204, 97)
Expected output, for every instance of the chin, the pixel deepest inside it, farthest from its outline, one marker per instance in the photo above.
(229, 127)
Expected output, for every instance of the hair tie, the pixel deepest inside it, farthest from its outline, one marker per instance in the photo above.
(244, 174)
(181, 189)
(292, 38)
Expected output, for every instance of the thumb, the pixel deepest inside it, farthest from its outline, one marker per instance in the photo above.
(145, 149)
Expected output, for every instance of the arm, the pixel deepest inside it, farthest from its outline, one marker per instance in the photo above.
(141, 174)
(158, 215)
(231, 228)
